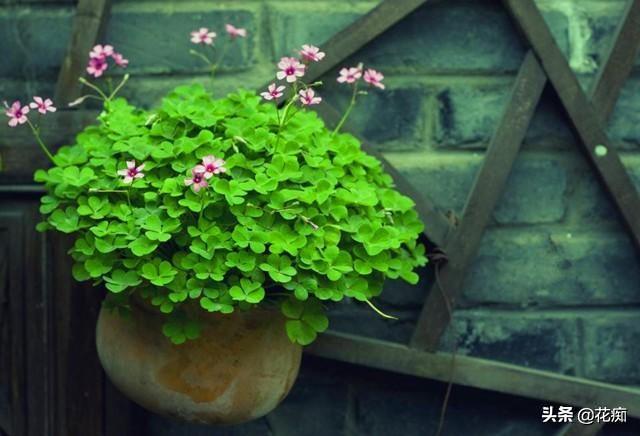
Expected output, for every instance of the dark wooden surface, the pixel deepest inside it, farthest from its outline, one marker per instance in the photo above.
(26, 342)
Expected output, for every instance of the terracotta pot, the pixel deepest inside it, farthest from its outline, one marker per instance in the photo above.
(241, 367)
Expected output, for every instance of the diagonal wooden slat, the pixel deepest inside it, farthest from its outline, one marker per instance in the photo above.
(475, 372)
(88, 23)
(619, 62)
(582, 114)
(346, 42)
(463, 245)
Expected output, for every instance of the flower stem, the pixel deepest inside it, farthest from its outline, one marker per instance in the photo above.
(201, 206)
(94, 87)
(44, 148)
(223, 52)
(349, 109)
(201, 56)
(119, 87)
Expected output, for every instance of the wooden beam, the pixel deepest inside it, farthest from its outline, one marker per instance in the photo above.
(619, 62)
(88, 24)
(353, 37)
(475, 372)
(487, 188)
(582, 114)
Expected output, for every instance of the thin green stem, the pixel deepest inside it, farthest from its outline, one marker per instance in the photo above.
(119, 87)
(349, 109)
(277, 113)
(109, 84)
(378, 311)
(94, 87)
(201, 206)
(223, 52)
(201, 56)
(44, 148)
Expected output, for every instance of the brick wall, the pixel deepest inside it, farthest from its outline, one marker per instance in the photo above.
(557, 282)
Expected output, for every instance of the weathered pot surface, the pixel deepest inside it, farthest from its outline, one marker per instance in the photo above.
(239, 369)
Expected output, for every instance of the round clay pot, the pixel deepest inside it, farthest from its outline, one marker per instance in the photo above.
(240, 368)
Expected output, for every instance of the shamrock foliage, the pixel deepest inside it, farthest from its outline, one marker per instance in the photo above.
(299, 215)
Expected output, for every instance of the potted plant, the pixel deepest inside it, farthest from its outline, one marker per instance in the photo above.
(221, 228)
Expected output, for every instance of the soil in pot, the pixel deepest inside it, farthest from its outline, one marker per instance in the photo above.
(240, 368)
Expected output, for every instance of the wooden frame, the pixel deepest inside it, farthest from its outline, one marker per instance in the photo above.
(543, 63)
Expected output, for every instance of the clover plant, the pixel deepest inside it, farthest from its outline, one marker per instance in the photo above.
(229, 203)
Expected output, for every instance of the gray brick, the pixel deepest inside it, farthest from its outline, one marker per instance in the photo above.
(294, 24)
(624, 128)
(469, 112)
(592, 30)
(536, 340)
(155, 38)
(588, 201)
(394, 119)
(34, 40)
(611, 351)
(485, 39)
(534, 194)
(539, 268)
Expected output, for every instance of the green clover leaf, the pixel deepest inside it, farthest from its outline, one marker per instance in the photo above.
(307, 319)
(279, 268)
(142, 246)
(249, 291)
(119, 280)
(95, 207)
(159, 273)
(242, 260)
(67, 221)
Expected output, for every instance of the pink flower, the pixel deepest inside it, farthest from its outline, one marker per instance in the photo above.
(210, 165)
(307, 97)
(97, 66)
(350, 75)
(374, 78)
(43, 106)
(311, 53)
(17, 113)
(197, 180)
(203, 36)
(120, 60)
(234, 32)
(273, 92)
(290, 68)
(132, 172)
(101, 52)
